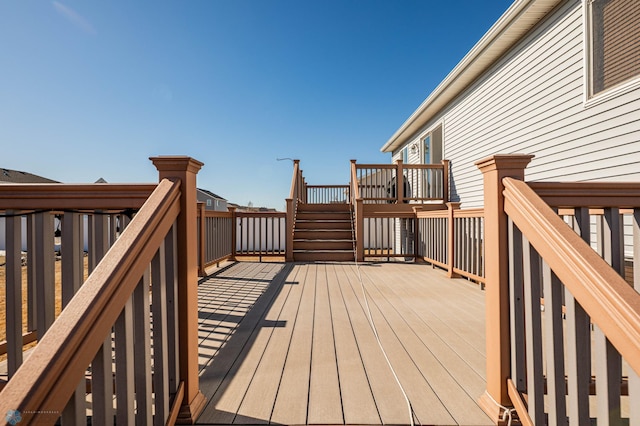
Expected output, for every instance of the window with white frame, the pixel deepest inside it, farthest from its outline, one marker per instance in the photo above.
(613, 43)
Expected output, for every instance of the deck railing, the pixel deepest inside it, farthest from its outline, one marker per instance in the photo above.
(216, 236)
(136, 268)
(261, 234)
(327, 194)
(562, 323)
(453, 239)
(420, 183)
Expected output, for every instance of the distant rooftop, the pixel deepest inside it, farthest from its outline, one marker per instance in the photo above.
(212, 194)
(16, 176)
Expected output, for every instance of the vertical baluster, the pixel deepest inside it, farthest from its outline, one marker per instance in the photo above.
(533, 332)
(160, 348)
(171, 275)
(102, 366)
(124, 347)
(45, 272)
(578, 328)
(32, 315)
(13, 283)
(142, 350)
(516, 307)
(554, 346)
(608, 361)
(72, 278)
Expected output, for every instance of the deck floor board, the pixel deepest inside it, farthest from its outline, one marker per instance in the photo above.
(292, 344)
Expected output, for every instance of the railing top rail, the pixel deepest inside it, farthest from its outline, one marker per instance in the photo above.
(216, 213)
(610, 302)
(588, 194)
(355, 191)
(394, 166)
(327, 186)
(261, 214)
(74, 196)
(62, 355)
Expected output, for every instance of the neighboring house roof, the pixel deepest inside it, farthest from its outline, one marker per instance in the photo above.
(211, 194)
(514, 24)
(16, 176)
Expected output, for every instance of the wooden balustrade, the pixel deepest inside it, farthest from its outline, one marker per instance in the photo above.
(327, 194)
(453, 239)
(261, 234)
(216, 237)
(132, 263)
(572, 321)
(403, 183)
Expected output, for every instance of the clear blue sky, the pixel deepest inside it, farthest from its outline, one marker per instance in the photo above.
(91, 89)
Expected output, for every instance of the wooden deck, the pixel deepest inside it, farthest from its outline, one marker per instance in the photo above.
(290, 343)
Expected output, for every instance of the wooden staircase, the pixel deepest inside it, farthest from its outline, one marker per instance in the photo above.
(323, 233)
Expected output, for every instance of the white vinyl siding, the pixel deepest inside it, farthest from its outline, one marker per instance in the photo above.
(532, 102)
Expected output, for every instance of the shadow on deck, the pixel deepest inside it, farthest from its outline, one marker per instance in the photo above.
(291, 343)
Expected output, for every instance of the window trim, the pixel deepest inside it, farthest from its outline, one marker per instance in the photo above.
(429, 131)
(590, 99)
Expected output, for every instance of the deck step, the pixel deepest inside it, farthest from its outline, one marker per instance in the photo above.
(323, 224)
(323, 255)
(323, 232)
(334, 207)
(323, 244)
(322, 216)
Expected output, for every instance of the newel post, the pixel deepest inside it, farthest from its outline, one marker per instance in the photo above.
(494, 169)
(184, 169)
(290, 229)
(451, 238)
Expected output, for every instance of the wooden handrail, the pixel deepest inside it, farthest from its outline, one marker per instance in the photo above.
(588, 194)
(53, 196)
(610, 302)
(60, 359)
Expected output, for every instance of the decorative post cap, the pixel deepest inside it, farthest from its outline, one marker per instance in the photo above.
(166, 163)
(504, 161)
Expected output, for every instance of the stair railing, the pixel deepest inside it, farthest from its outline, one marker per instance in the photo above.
(297, 194)
(150, 270)
(549, 295)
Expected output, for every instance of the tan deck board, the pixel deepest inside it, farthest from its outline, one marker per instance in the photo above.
(259, 399)
(304, 353)
(237, 382)
(358, 404)
(451, 392)
(325, 405)
(392, 406)
(291, 402)
(216, 381)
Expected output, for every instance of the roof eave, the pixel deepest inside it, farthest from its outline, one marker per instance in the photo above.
(514, 24)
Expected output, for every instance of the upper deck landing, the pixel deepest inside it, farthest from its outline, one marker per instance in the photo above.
(291, 344)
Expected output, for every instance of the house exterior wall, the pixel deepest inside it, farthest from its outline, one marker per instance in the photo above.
(532, 101)
(212, 203)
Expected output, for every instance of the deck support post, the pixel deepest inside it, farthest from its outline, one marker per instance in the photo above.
(234, 232)
(202, 226)
(494, 169)
(400, 181)
(445, 181)
(359, 228)
(290, 228)
(184, 169)
(451, 238)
